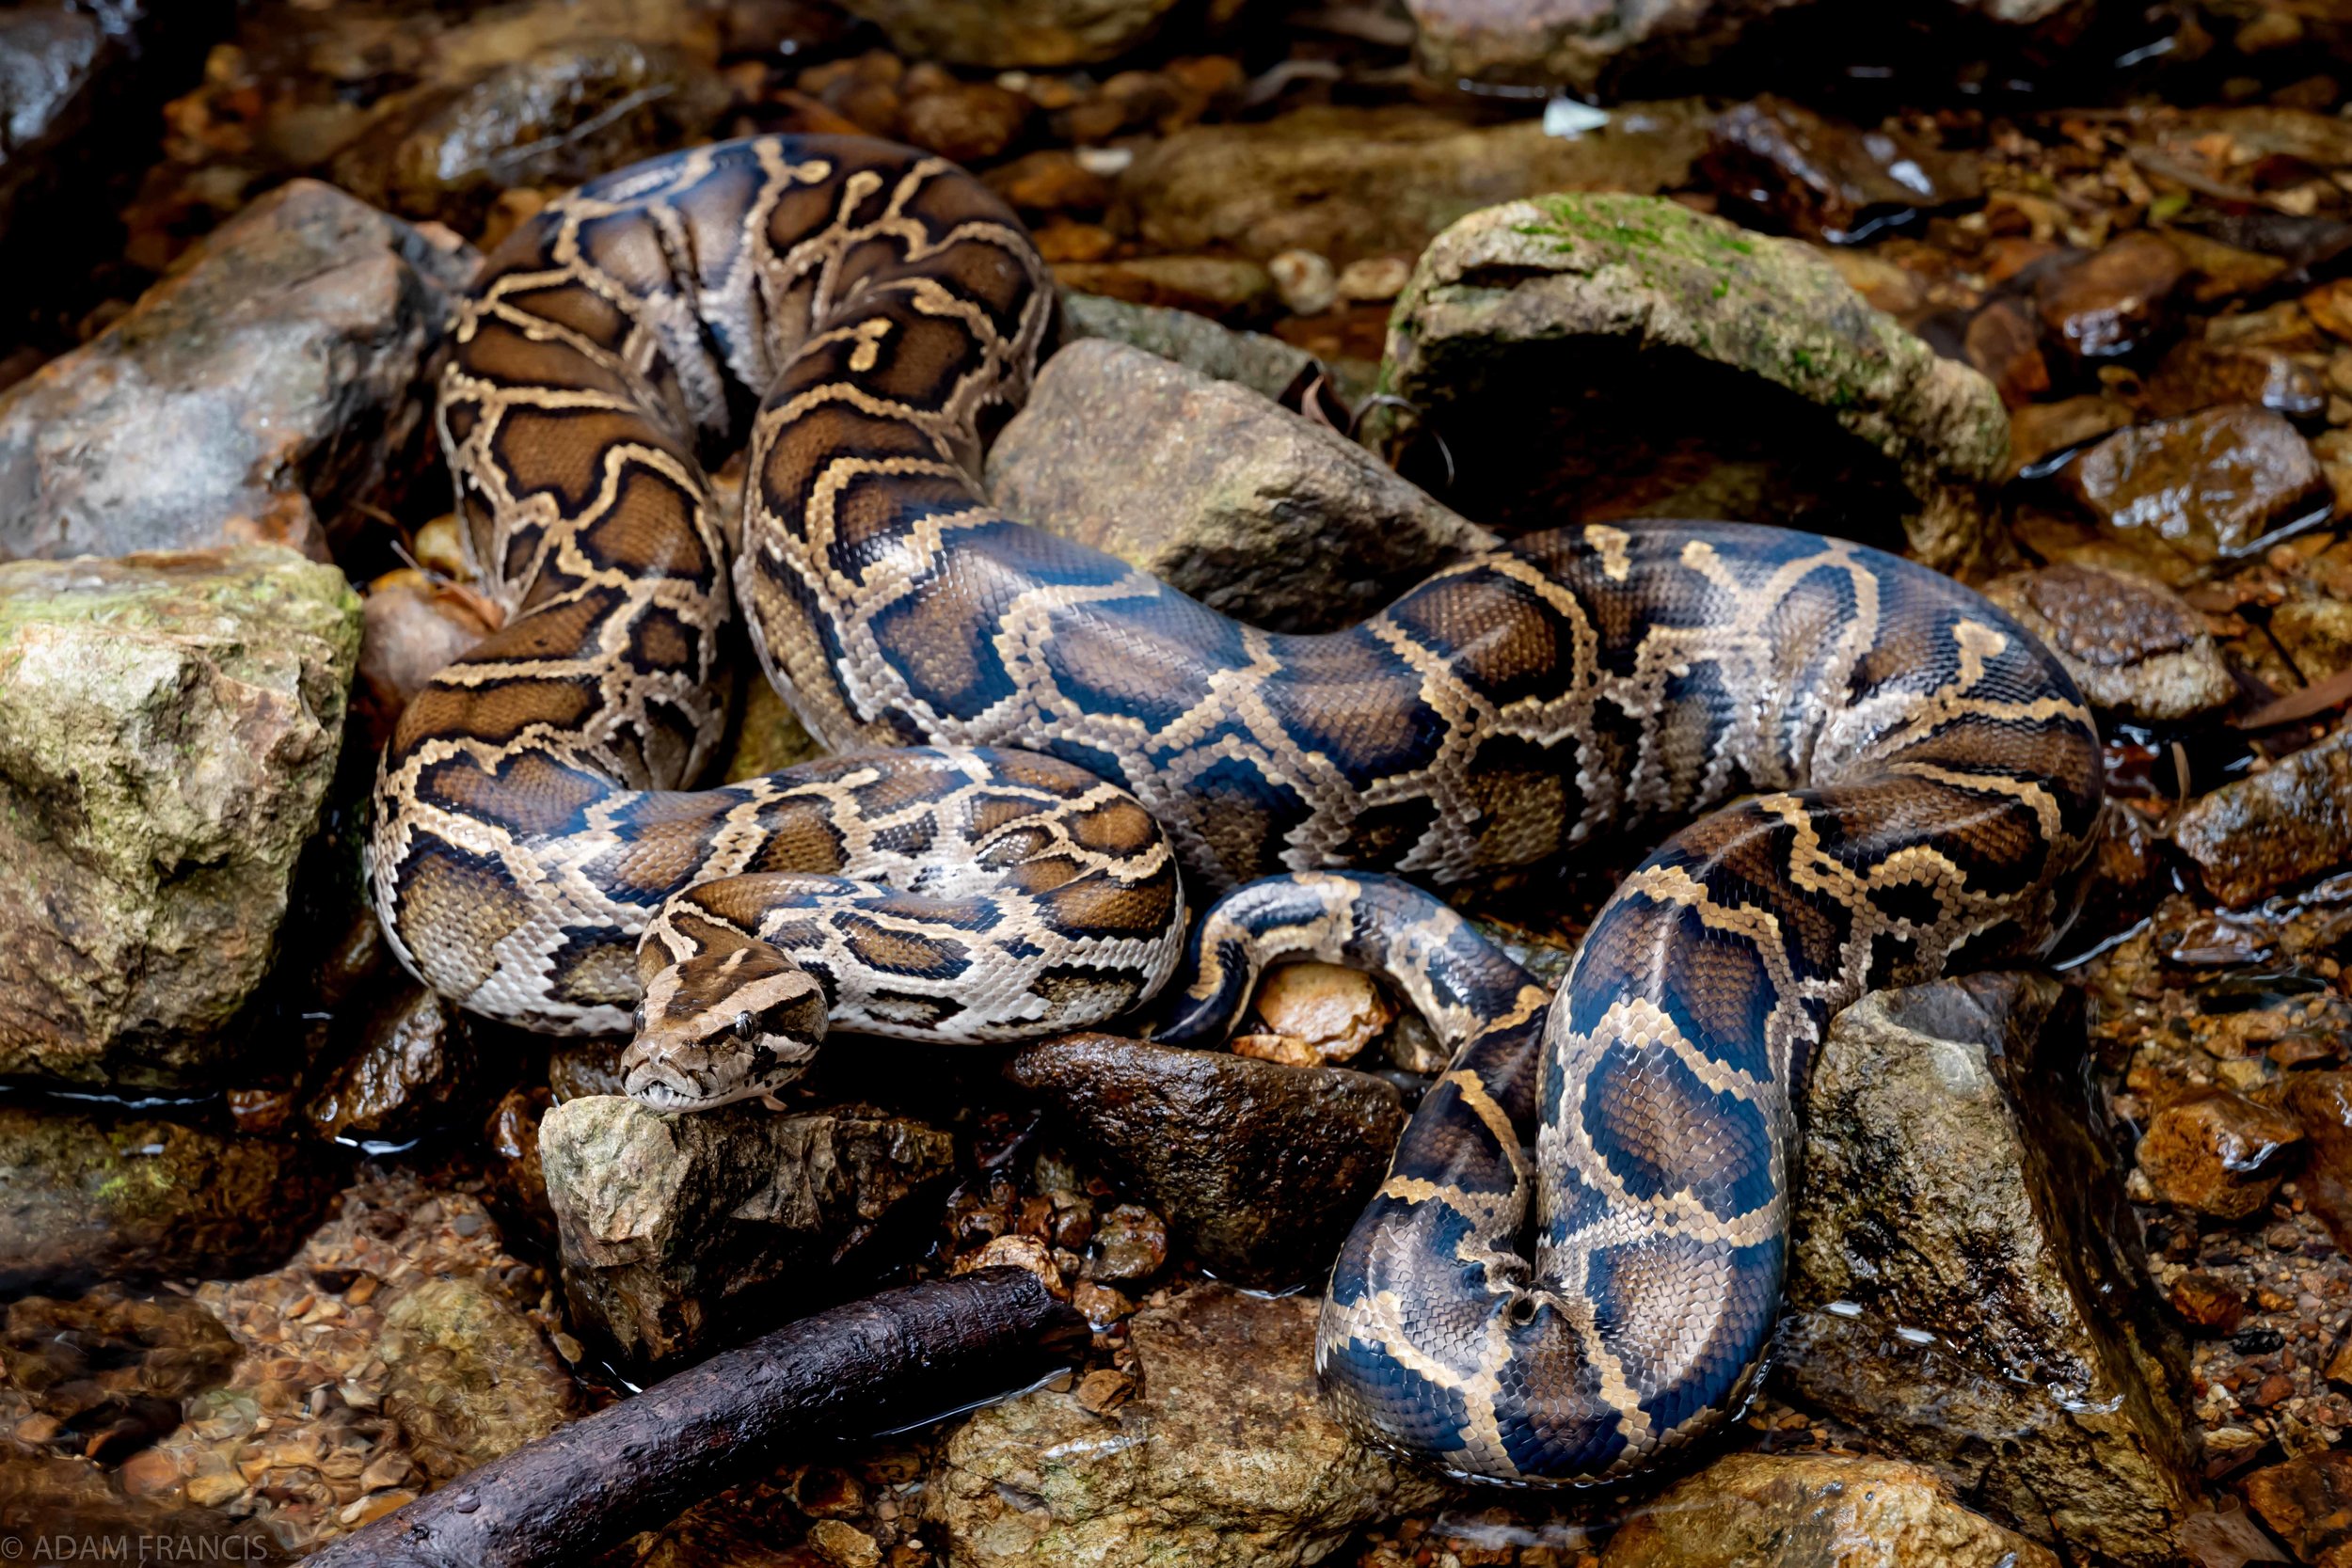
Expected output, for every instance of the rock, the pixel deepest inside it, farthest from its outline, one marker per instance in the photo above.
(1129, 1243)
(1571, 351)
(2207, 1301)
(1826, 180)
(1346, 182)
(1260, 1167)
(411, 627)
(1544, 44)
(2315, 632)
(2219, 1152)
(258, 393)
(2330, 306)
(2041, 431)
(110, 1370)
(90, 1197)
(2185, 493)
(2115, 301)
(79, 84)
(554, 118)
(1223, 1458)
(2308, 1502)
(676, 1229)
(968, 122)
(1315, 1013)
(2197, 376)
(1258, 513)
(299, 1435)
(1959, 1268)
(2003, 341)
(2258, 835)
(844, 1545)
(1223, 288)
(1265, 365)
(168, 728)
(416, 1068)
(1795, 1511)
(2130, 642)
(471, 1378)
(1306, 282)
(1001, 34)
(2321, 1104)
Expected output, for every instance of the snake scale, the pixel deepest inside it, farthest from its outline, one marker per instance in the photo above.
(1894, 779)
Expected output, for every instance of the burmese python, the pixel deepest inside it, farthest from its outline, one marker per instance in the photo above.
(1914, 780)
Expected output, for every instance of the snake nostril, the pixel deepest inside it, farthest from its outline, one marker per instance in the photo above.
(1522, 1312)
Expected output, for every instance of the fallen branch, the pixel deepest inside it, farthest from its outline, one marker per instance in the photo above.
(873, 1366)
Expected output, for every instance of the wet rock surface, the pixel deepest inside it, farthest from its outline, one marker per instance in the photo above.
(1845, 420)
(1958, 1243)
(1796, 1510)
(1826, 180)
(2185, 493)
(554, 118)
(1209, 486)
(1222, 1454)
(1002, 33)
(259, 395)
(2283, 825)
(2114, 302)
(677, 1230)
(2132, 644)
(168, 728)
(1259, 1167)
(85, 1197)
(468, 1377)
(417, 1068)
(1346, 183)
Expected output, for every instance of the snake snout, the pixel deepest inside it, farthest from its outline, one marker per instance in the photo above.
(723, 1026)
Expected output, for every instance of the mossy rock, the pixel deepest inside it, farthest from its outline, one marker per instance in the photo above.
(169, 724)
(1581, 356)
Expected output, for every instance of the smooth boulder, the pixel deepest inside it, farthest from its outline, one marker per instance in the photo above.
(1212, 489)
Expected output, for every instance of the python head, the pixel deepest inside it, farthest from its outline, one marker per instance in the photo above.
(718, 1027)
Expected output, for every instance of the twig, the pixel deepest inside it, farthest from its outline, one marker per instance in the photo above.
(874, 1366)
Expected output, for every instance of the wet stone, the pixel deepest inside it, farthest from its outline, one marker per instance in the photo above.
(2183, 493)
(677, 1229)
(2114, 302)
(470, 1377)
(1207, 485)
(1825, 180)
(110, 1368)
(555, 118)
(1308, 1014)
(416, 1068)
(1795, 1511)
(411, 628)
(2307, 1502)
(2131, 644)
(2219, 1152)
(2262, 835)
(1260, 1168)
(1566, 353)
(999, 34)
(84, 1197)
(2004, 342)
(2042, 431)
(1348, 183)
(1223, 1456)
(2207, 1303)
(1229, 288)
(2198, 376)
(1960, 1251)
(263, 392)
(169, 729)
(968, 122)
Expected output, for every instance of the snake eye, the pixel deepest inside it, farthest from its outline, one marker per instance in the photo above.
(743, 1030)
(637, 1019)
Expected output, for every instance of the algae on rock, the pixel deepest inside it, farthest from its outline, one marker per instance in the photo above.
(169, 724)
(1606, 356)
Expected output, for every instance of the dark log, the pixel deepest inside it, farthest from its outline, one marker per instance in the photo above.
(874, 1366)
